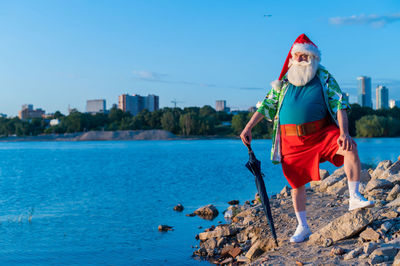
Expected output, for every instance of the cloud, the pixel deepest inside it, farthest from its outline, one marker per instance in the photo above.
(372, 20)
(251, 88)
(148, 75)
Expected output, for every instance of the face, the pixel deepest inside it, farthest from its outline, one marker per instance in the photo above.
(300, 57)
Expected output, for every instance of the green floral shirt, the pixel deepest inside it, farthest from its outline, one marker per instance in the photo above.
(272, 103)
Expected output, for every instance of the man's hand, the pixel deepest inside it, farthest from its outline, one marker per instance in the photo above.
(246, 136)
(346, 143)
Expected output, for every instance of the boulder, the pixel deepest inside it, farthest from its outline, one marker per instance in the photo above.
(369, 234)
(178, 208)
(254, 251)
(348, 225)
(381, 168)
(233, 202)
(207, 211)
(164, 228)
(323, 173)
(220, 231)
(369, 247)
(394, 203)
(338, 175)
(209, 244)
(339, 188)
(285, 192)
(393, 193)
(395, 179)
(353, 254)
(393, 169)
(365, 177)
(387, 250)
(378, 184)
(396, 261)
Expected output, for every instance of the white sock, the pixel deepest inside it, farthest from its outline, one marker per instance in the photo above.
(301, 218)
(353, 188)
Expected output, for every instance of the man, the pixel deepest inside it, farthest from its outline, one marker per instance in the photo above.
(310, 126)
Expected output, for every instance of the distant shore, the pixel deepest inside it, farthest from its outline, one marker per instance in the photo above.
(153, 134)
(97, 135)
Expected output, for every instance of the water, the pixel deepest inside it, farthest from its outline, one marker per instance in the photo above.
(101, 202)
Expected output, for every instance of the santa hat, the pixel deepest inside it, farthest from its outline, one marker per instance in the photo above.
(301, 44)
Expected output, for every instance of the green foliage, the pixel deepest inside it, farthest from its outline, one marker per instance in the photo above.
(377, 126)
(239, 121)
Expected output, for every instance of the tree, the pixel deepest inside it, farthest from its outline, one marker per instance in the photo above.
(239, 121)
(188, 123)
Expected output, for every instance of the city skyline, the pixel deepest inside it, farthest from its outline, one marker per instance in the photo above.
(194, 52)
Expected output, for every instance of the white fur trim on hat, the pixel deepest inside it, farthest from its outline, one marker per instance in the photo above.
(306, 48)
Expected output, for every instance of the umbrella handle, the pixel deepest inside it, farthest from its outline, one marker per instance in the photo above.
(248, 145)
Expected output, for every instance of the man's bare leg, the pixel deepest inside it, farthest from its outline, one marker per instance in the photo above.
(299, 205)
(352, 168)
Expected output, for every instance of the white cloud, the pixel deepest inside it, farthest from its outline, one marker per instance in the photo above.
(148, 75)
(376, 21)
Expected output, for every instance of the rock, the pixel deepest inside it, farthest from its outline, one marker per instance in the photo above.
(285, 192)
(242, 236)
(339, 188)
(375, 259)
(299, 263)
(257, 198)
(323, 173)
(235, 252)
(369, 247)
(254, 251)
(208, 211)
(190, 214)
(365, 177)
(390, 214)
(332, 179)
(336, 251)
(222, 241)
(396, 261)
(386, 226)
(178, 208)
(362, 187)
(226, 250)
(369, 234)
(377, 184)
(220, 231)
(395, 179)
(381, 168)
(394, 203)
(388, 250)
(393, 169)
(328, 242)
(393, 193)
(233, 202)
(164, 228)
(353, 254)
(242, 259)
(348, 225)
(209, 244)
(315, 184)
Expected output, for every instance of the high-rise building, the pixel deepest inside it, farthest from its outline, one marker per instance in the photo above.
(96, 106)
(136, 103)
(382, 97)
(393, 103)
(220, 105)
(27, 112)
(364, 91)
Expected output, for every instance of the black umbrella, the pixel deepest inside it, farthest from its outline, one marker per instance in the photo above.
(254, 166)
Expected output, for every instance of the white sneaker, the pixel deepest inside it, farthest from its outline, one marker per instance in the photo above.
(301, 234)
(358, 201)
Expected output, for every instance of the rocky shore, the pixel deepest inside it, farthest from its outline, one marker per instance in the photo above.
(360, 237)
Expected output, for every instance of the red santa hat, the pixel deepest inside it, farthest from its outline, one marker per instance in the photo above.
(301, 44)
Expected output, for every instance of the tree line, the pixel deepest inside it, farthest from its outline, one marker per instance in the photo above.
(192, 121)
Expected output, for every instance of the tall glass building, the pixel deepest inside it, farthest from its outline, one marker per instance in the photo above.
(382, 97)
(364, 91)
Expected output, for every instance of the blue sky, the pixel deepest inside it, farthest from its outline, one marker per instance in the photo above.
(59, 53)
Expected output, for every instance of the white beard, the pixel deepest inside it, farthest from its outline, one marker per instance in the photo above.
(300, 73)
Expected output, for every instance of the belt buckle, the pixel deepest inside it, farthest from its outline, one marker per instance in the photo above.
(300, 132)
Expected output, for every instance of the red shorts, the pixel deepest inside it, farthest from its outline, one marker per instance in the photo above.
(301, 155)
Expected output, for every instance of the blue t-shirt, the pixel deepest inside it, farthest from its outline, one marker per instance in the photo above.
(303, 104)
